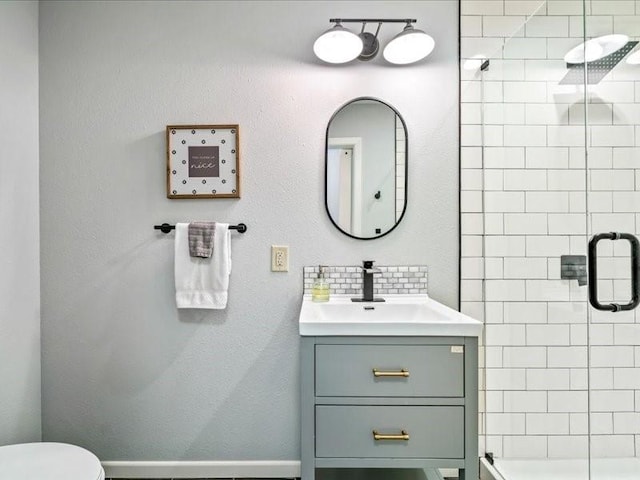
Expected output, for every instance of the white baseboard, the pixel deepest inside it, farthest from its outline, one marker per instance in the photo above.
(219, 469)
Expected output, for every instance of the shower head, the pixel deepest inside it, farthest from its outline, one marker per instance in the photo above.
(596, 69)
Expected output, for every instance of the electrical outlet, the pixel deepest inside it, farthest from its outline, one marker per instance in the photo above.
(279, 258)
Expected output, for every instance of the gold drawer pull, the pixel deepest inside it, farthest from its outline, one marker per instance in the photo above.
(390, 436)
(401, 373)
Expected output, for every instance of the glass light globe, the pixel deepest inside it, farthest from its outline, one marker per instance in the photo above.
(408, 46)
(337, 45)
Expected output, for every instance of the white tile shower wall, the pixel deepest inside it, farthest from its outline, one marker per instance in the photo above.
(523, 190)
(393, 279)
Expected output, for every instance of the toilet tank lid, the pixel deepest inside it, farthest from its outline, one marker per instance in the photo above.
(53, 461)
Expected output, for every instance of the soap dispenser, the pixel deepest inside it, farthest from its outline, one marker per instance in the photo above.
(320, 290)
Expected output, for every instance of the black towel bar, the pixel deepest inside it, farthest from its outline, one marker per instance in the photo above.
(166, 228)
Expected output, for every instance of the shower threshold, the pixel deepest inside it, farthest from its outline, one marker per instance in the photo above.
(561, 469)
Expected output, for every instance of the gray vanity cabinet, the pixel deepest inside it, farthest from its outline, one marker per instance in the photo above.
(389, 402)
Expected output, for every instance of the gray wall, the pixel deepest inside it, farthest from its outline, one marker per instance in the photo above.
(19, 238)
(125, 373)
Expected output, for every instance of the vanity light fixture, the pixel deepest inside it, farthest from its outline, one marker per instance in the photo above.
(340, 45)
(596, 48)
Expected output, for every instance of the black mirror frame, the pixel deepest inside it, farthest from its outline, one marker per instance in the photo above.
(406, 167)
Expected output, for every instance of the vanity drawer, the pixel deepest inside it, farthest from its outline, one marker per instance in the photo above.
(348, 431)
(402, 371)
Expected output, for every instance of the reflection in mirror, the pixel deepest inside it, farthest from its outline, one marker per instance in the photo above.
(365, 168)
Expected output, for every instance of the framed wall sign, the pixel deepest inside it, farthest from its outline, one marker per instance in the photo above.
(203, 161)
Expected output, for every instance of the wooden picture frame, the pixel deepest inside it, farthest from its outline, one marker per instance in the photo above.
(203, 161)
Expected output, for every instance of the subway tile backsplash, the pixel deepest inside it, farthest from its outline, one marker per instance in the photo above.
(392, 279)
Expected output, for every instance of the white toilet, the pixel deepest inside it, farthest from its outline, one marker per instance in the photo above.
(50, 461)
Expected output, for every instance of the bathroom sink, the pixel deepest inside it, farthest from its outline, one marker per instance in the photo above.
(399, 315)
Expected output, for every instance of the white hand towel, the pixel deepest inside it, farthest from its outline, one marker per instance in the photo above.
(202, 282)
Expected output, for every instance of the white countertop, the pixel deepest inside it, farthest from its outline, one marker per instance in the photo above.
(399, 315)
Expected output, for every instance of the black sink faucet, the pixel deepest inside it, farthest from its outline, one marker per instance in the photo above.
(368, 270)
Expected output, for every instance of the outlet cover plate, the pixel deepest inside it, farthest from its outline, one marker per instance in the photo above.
(279, 258)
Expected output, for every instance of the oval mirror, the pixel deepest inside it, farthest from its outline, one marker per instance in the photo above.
(366, 168)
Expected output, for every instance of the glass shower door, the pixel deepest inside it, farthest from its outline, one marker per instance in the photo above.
(534, 232)
(550, 190)
(612, 97)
